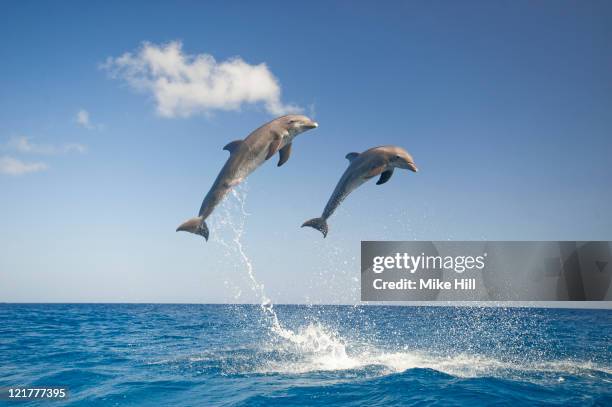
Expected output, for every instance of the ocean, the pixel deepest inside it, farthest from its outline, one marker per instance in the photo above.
(251, 355)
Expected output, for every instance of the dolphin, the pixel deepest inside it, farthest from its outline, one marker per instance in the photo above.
(362, 167)
(245, 156)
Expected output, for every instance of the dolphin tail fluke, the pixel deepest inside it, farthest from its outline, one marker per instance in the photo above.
(195, 225)
(318, 223)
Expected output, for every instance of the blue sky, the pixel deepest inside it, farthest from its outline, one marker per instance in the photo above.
(505, 106)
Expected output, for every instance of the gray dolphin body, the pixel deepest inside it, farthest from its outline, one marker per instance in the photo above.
(363, 167)
(245, 156)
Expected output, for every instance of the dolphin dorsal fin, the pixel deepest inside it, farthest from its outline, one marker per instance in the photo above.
(352, 156)
(232, 146)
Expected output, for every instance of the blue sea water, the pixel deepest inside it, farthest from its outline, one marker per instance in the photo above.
(192, 355)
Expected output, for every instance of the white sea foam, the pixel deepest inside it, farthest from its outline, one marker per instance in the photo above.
(333, 356)
(318, 349)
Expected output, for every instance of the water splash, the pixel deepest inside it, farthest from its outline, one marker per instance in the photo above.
(321, 345)
(315, 347)
(233, 218)
(463, 365)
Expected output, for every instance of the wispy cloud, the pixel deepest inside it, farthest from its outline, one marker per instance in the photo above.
(14, 166)
(23, 144)
(82, 119)
(184, 84)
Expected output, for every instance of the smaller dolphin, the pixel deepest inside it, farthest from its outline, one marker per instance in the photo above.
(245, 156)
(375, 161)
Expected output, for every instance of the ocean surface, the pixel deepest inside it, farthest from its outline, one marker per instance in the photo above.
(201, 355)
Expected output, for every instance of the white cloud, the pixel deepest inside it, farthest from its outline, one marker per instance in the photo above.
(13, 166)
(184, 84)
(23, 144)
(82, 119)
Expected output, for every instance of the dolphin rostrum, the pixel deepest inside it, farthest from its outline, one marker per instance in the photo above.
(362, 167)
(245, 156)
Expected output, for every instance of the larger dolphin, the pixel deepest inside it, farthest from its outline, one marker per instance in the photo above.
(375, 161)
(245, 156)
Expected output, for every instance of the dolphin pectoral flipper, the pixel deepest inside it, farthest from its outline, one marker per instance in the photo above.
(232, 146)
(352, 156)
(284, 154)
(274, 145)
(384, 177)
